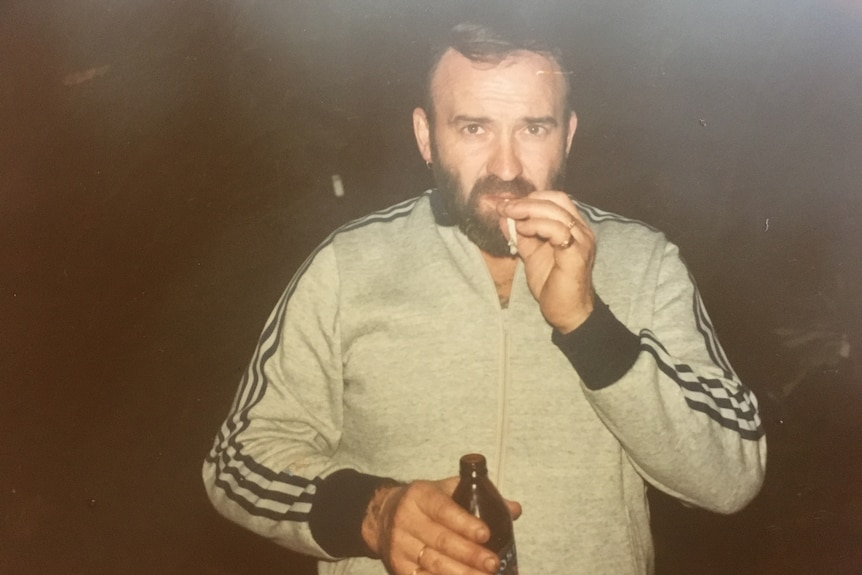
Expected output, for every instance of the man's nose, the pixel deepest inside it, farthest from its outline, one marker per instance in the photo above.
(505, 162)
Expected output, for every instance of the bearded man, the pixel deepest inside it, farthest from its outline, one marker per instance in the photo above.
(494, 314)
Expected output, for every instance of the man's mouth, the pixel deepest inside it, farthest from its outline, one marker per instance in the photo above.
(493, 200)
(502, 197)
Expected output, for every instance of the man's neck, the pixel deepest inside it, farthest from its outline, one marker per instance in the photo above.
(502, 272)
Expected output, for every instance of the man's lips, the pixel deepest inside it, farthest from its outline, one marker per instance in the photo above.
(497, 198)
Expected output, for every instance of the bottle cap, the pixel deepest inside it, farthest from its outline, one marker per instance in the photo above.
(473, 464)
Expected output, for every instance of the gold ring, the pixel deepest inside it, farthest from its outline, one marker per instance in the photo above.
(573, 223)
(567, 243)
(419, 557)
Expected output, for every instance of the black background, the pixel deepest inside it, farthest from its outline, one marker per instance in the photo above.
(165, 167)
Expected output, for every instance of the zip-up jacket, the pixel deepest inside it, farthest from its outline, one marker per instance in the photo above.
(389, 356)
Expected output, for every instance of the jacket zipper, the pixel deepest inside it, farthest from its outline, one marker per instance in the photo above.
(502, 424)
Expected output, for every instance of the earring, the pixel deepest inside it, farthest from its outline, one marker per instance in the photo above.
(428, 165)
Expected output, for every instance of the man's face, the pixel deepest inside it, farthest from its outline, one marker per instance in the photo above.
(499, 132)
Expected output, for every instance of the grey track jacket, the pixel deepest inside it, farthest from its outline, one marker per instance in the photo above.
(389, 356)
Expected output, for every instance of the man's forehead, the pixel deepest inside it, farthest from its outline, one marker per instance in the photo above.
(524, 68)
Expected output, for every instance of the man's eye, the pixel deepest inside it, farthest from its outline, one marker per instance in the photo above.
(473, 129)
(536, 130)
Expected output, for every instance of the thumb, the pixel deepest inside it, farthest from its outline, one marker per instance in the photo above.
(514, 509)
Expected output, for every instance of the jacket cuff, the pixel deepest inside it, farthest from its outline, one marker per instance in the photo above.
(601, 349)
(339, 508)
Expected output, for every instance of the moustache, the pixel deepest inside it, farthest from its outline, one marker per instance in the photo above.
(494, 186)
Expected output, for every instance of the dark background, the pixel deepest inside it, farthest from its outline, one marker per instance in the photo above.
(165, 167)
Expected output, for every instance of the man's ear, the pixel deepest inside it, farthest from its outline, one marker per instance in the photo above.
(422, 131)
(573, 125)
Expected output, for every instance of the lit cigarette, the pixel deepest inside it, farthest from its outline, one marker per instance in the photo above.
(513, 237)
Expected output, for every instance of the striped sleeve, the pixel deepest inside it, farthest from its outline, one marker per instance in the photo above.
(273, 455)
(680, 412)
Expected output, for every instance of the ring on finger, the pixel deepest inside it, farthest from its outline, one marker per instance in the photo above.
(419, 557)
(567, 243)
(573, 223)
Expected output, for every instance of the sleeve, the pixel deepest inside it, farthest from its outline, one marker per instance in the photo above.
(271, 468)
(669, 395)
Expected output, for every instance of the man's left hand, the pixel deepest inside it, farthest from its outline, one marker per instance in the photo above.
(558, 249)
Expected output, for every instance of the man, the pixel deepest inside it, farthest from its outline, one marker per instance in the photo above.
(582, 367)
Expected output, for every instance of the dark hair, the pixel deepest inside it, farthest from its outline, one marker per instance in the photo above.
(491, 44)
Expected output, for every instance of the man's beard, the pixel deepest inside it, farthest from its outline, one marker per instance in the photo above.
(483, 229)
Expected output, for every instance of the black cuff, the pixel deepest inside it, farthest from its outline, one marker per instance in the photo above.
(339, 507)
(601, 349)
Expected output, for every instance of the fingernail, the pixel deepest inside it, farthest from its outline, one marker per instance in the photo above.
(491, 564)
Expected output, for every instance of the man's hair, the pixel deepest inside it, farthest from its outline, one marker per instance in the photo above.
(491, 44)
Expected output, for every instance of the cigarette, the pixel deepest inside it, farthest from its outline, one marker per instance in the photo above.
(513, 237)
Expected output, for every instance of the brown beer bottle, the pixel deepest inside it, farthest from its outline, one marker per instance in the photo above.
(477, 494)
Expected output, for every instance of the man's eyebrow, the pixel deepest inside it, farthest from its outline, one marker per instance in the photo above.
(463, 119)
(546, 120)
(543, 120)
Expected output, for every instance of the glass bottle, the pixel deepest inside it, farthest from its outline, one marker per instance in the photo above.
(477, 494)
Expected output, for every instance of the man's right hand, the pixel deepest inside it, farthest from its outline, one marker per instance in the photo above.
(403, 520)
